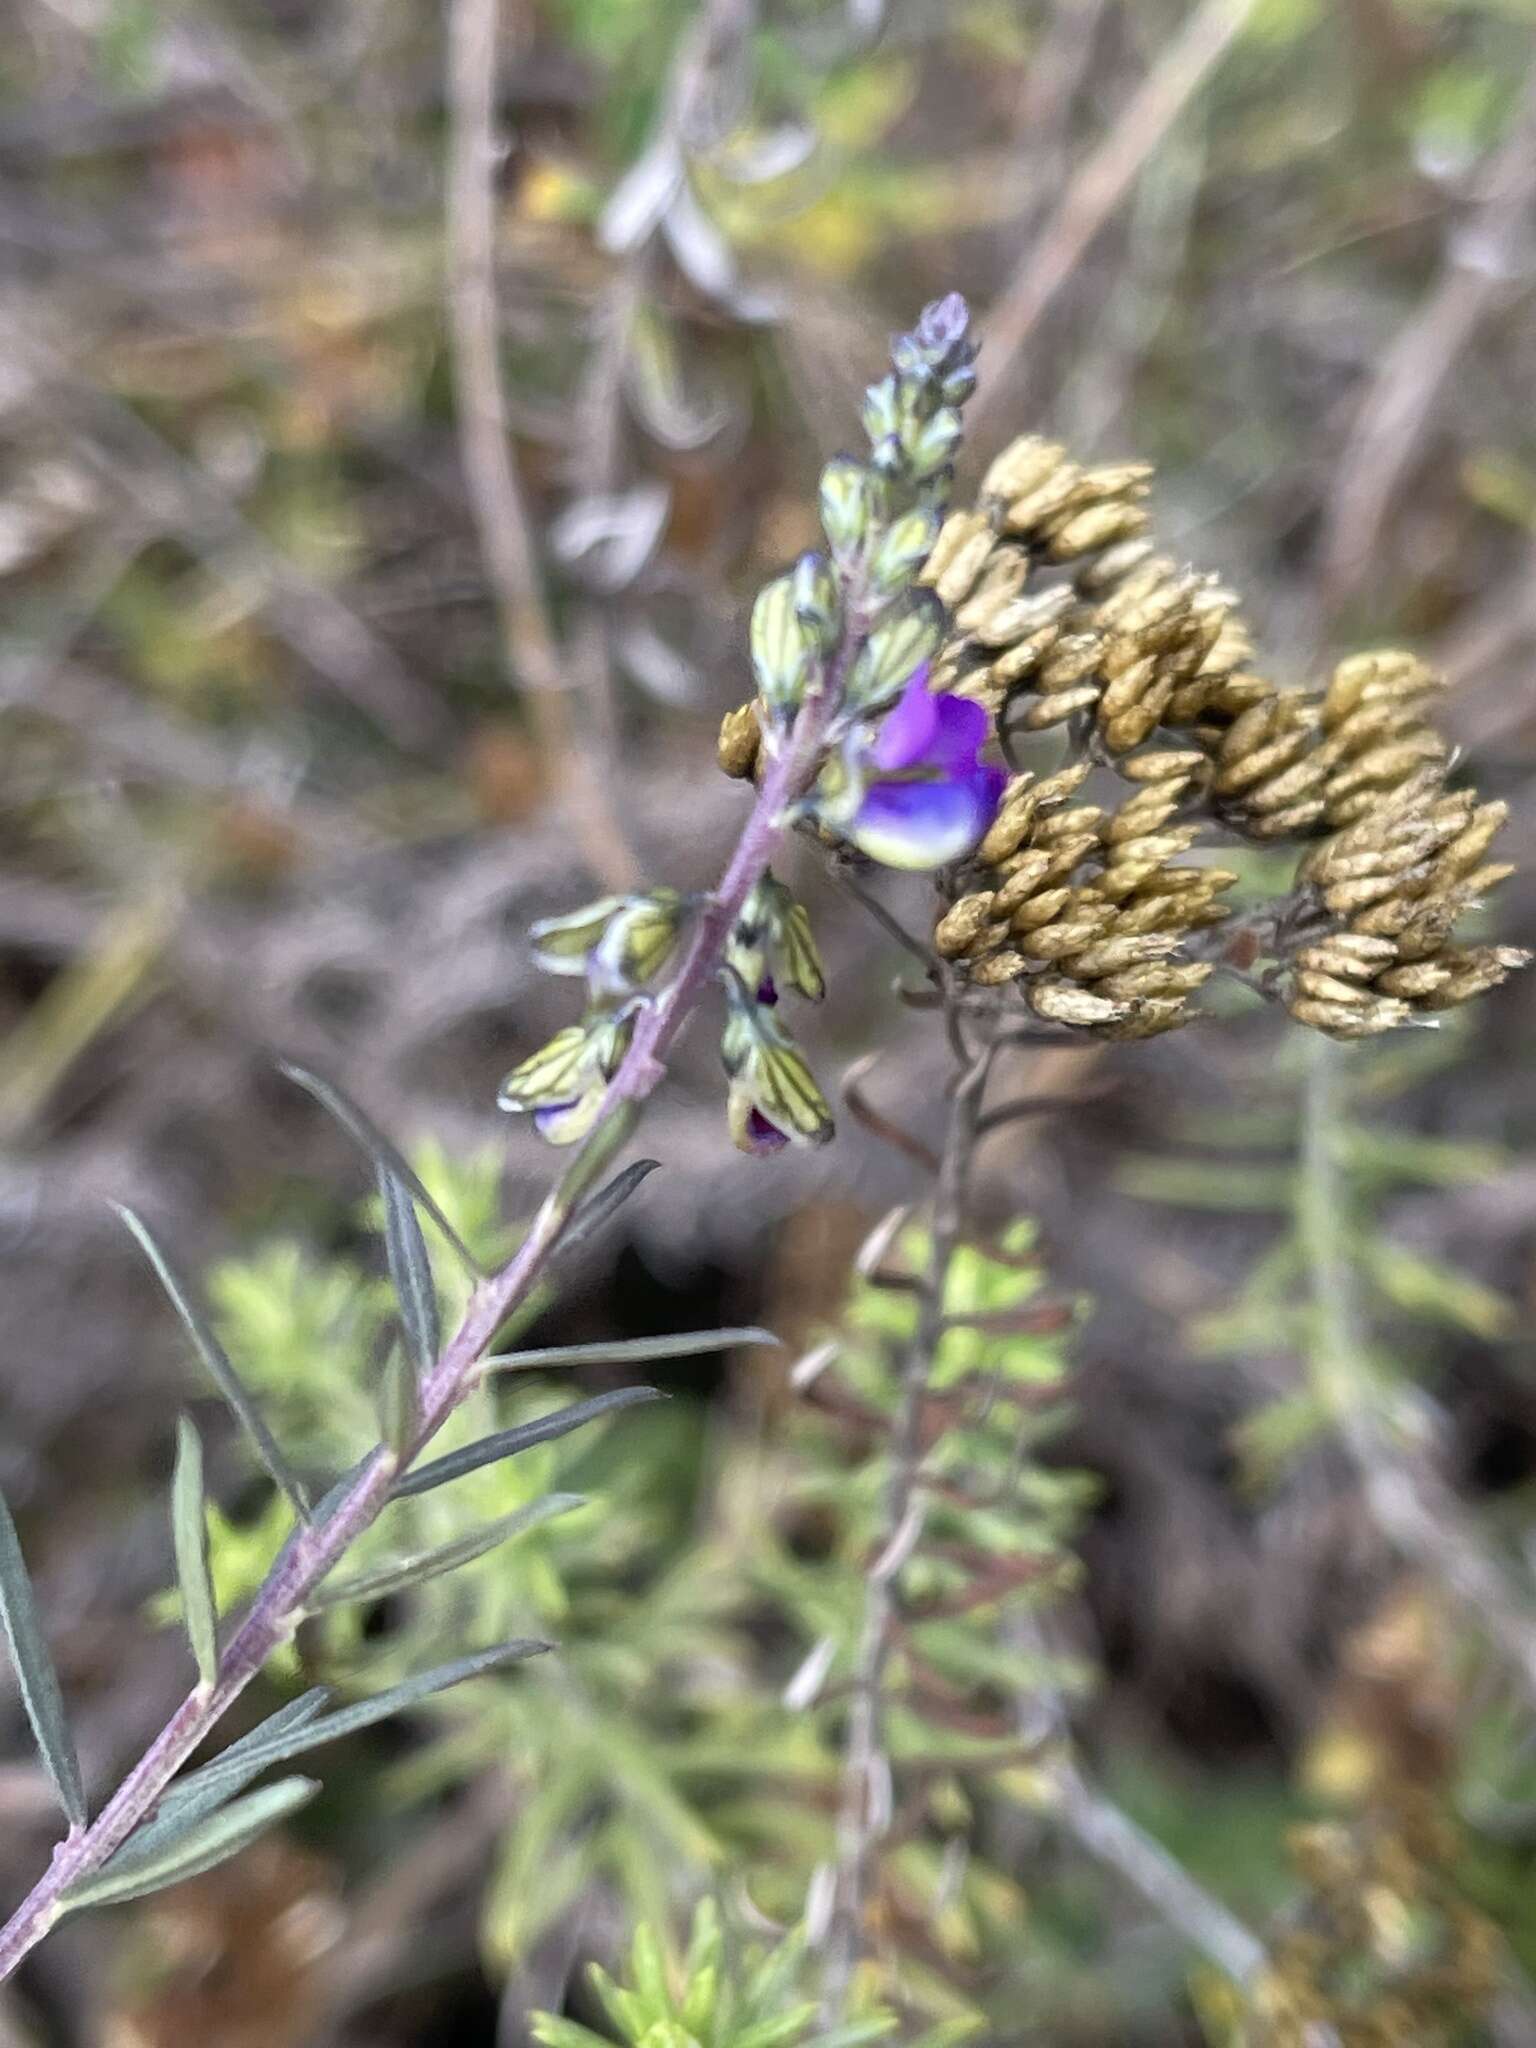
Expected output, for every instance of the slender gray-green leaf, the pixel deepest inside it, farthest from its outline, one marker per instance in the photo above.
(399, 1403)
(39, 1681)
(352, 1720)
(192, 1798)
(411, 1272)
(361, 1128)
(508, 1442)
(447, 1557)
(207, 1846)
(189, 1532)
(626, 1350)
(596, 1210)
(197, 1795)
(217, 1363)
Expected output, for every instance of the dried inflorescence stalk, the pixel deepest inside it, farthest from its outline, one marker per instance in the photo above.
(1064, 615)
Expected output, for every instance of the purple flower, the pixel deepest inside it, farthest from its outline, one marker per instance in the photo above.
(918, 794)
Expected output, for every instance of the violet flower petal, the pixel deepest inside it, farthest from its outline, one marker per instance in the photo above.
(908, 727)
(925, 824)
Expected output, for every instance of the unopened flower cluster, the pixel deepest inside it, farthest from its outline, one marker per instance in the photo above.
(842, 649)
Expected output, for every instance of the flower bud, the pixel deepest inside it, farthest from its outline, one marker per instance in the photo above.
(902, 550)
(908, 636)
(785, 650)
(852, 506)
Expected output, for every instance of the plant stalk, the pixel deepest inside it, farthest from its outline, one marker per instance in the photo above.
(275, 1612)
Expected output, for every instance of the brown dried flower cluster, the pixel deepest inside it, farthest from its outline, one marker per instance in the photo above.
(1065, 614)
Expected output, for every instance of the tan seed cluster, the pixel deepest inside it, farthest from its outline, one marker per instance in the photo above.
(1398, 878)
(1086, 911)
(1126, 635)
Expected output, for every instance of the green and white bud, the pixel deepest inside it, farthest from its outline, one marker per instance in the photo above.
(907, 637)
(786, 652)
(902, 550)
(853, 506)
(818, 601)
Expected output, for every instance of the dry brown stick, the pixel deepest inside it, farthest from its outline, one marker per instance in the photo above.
(501, 520)
(1480, 266)
(1097, 189)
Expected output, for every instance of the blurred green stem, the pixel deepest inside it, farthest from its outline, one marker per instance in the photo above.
(866, 1808)
(1413, 1506)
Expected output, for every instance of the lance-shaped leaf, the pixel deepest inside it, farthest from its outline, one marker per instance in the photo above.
(189, 1532)
(258, 1754)
(191, 1799)
(627, 1350)
(35, 1674)
(597, 1209)
(393, 1578)
(204, 1848)
(361, 1128)
(399, 1400)
(507, 1443)
(411, 1272)
(217, 1363)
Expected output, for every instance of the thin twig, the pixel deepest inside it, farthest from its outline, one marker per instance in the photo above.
(1113, 1838)
(1096, 190)
(485, 442)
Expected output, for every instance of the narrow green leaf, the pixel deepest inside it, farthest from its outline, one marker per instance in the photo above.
(627, 1350)
(598, 1209)
(215, 1842)
(189, 1532)
(447, 1557)
(411, 1272)
(38, 1680)
(399, 1403)
(595, 1156)
(217, 1363)
(363, 1131)
(192, 1798)
(508, 1442)
(352, 1720)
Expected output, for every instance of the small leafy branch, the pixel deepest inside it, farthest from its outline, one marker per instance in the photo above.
(831, 645)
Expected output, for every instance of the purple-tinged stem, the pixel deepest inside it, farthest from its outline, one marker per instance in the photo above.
(278, 1607)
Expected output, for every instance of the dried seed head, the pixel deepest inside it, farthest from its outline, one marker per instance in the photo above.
(998, 970)
(739, 741)
(1022, 467)
(1099, 526)
(1039, 909)
(1062, 1002)
(959, 927)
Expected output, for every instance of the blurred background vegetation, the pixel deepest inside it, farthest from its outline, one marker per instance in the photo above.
(298, 731)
